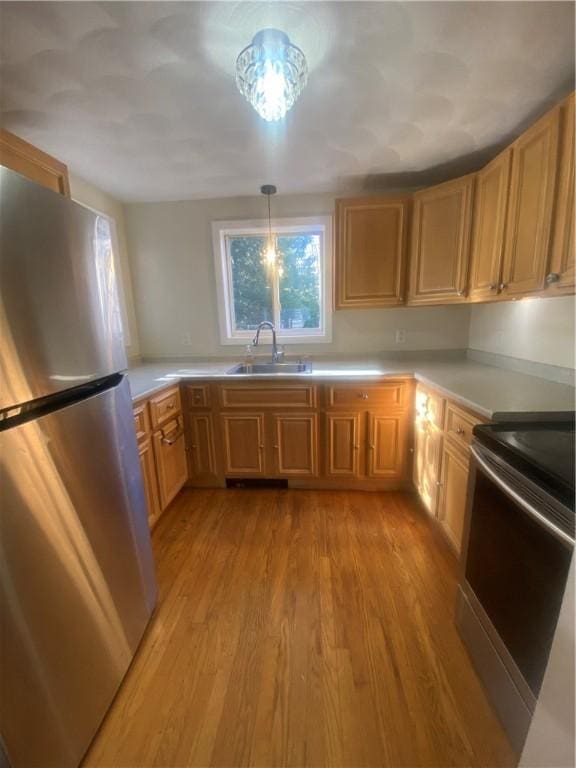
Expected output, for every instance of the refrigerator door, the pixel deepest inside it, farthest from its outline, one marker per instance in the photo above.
(77, 584)
(60, 319)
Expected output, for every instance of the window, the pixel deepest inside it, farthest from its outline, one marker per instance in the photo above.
(290, 289)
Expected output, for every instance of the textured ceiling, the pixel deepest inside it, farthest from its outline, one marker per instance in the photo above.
(140, 98)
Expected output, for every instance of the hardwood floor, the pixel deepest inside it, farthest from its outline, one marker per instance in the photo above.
(301, 628)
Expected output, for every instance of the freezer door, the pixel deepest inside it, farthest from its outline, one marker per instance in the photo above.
(77, 579)
(60, 319)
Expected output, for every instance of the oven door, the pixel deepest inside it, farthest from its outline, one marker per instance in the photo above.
(515, 564)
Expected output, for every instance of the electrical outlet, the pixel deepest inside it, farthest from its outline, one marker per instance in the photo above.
(400, 336)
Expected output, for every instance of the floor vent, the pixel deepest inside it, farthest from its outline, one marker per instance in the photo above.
(255, 482)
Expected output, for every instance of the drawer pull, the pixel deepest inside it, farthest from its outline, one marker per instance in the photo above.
(172, 440)
(460, 431)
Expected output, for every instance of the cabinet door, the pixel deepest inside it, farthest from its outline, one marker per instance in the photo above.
(427, 456)
(387, 446)
(343, 435)
(295, 444)
(490, 206)
(29, 161)
(201, 445)
(371, 243)
(170, 455)
(243, 437)
(453, 487)
(150, 481)
(441, 243)
(560, 277)
(534, 161)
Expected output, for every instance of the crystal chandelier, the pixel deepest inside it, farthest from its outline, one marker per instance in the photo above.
(271, 73)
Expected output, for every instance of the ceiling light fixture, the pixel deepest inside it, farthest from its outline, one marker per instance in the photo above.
(271, 73)
(270, 252)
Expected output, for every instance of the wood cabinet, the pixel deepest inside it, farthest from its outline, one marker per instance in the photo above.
(490, 208)
(441, 460)
(243, 441)
(453, 487)
(560, 274)
(201, 448)
(441, 226)
(371, 251)
(343, 444)
(295, 444)
(29, 161)
(530, 207)
(147, 463)
(428, 439)
(170, 457)
(386, 445)
(148, 468)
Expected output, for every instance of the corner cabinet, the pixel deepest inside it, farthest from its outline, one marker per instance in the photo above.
(441, 226)
(29, 161)
(560, 276)
(490, 208)
(371, 251)
(530, 207)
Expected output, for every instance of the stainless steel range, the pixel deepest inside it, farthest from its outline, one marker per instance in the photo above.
(518, 544)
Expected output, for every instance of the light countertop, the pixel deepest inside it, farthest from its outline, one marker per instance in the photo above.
(486, 389)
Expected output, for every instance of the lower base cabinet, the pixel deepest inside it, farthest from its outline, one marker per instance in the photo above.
(243, 441)
(343, 444)
(171, 464)
(295, 444)
(452, 499)
(148, 468)
(201, 448)
(387, 446)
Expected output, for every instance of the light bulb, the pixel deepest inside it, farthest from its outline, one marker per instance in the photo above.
(270, 256)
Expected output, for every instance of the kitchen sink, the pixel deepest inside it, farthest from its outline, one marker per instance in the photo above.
(263, 369)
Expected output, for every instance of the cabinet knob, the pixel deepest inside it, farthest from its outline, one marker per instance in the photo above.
(356, 447)
(502, 286)
(493, 286)
(459, 431)
(372, 447)
(364, 395)
(461, 293)
(553, 277)
(261, 447)
(276, 447)
(438, 483)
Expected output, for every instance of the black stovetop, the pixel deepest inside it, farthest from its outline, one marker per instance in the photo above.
(540, 445)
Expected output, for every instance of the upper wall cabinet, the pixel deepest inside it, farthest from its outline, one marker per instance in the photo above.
(490, 206)
(371, 244)
(530, 207)
(560, 277)
(31, 162)
(441, 243)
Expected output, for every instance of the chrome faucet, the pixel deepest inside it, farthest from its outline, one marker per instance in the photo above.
(277, 354)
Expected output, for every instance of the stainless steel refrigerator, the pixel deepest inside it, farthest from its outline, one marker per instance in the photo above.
(77, 577)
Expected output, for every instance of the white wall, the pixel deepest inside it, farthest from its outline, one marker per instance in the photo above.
(174, 285)
(83, 192)
(541, 330)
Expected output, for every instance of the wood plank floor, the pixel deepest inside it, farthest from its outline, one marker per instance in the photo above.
(301, 628)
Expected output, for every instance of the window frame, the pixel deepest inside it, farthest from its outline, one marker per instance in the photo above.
(280, 226)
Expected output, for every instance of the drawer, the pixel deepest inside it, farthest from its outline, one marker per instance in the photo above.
(141, 421)
(459, 425)
(258, 396)
(165, 406)
(197, 396)
(393, 394)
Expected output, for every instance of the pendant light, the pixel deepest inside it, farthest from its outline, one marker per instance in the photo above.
(270, 255)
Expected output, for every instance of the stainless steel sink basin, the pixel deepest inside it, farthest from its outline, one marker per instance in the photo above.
(263, 369)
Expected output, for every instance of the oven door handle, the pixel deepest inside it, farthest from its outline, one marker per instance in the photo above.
(528, 508)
